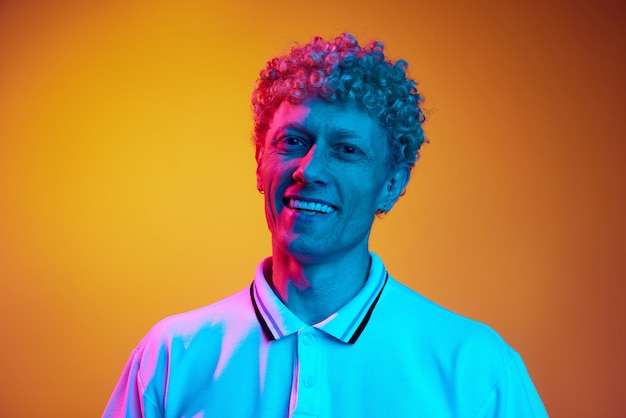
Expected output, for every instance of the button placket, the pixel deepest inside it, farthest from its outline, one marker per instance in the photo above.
(308, 371)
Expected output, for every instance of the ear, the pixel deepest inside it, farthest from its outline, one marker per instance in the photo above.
(258, 155)
(395, 187)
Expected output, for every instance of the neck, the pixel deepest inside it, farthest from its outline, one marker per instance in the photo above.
(314, 291)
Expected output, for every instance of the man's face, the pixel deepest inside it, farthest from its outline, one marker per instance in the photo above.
(324, 174)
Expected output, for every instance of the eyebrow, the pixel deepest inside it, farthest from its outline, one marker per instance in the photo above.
(340, 132)
(293, 125)
(335, 132)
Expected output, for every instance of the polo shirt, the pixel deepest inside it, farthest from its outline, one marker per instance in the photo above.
(388, 352)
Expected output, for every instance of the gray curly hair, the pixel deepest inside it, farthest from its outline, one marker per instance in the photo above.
(343, 70)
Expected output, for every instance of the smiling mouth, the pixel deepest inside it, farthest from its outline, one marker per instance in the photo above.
(311, 207)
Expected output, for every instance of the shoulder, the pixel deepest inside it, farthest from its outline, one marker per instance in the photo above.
(177, 346)
(475, 363)
(441, 330)
(234, 313)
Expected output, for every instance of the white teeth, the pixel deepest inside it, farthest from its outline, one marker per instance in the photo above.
(310, 206)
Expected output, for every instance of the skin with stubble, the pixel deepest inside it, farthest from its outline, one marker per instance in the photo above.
(324, 168)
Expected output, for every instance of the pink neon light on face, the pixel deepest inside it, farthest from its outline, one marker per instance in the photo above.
(323, 169)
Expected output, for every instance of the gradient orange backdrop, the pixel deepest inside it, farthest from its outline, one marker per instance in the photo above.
(127, 188)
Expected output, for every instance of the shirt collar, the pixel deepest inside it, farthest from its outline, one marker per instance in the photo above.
(346, 324)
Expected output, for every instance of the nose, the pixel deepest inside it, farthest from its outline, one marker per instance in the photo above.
(312, 167)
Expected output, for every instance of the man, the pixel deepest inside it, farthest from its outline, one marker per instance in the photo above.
(324, 331)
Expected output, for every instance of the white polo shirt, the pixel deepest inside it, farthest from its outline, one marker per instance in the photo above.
(388, 352)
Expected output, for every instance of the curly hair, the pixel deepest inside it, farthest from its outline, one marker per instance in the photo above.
(343, 70)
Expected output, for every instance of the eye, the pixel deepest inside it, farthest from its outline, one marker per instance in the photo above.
(293, 141)
(290, 143)
(349, 149)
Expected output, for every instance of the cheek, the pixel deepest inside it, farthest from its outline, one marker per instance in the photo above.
(371, 200)
(274, 182)
(270, 179)
(265, 173)
(276, 171)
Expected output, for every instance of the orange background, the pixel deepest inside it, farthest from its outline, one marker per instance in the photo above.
(127, 188)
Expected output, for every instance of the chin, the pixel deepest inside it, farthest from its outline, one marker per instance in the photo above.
(308, 252)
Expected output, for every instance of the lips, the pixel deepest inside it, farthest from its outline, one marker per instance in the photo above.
(309, 206)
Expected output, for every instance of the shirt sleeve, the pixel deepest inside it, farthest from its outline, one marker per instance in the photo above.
(513, 396)
(129, 398)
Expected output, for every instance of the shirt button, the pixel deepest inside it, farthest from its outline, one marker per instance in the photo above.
(308, 339)
(308, 382)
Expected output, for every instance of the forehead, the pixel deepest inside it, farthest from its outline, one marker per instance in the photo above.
(331, 119)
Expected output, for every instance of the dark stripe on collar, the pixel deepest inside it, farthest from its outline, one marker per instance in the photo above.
(259, 317)
(366, 318)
